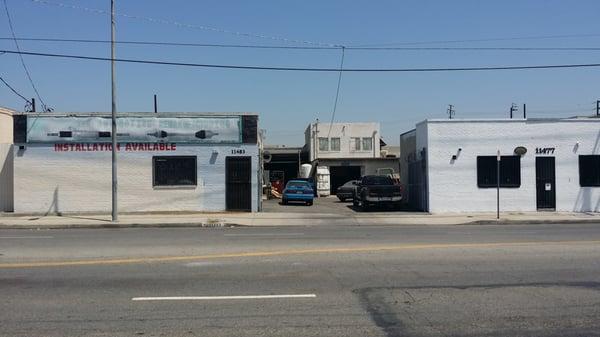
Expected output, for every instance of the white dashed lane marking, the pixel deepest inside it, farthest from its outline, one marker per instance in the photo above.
(212, 298)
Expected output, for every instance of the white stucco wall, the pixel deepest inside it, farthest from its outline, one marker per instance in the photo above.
(6, 160)
(6, 125)
(453, 185)
(6, 178)
(346, 132)
(50, 181)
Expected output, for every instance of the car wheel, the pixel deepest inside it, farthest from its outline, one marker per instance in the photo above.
(343, 199)
(309, 203)
(284, 201)
(355, 202)
(364, 206)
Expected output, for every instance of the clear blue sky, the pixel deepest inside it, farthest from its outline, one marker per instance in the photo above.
(288, 101)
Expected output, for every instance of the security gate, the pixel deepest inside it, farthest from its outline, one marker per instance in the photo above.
(545, 183)
(238, 181)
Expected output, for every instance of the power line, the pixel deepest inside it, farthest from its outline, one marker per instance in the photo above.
(337, 93)
(225, 66)
(186, 25)
(482, 48)
(12, 31)
(14, 90)
(542, 37)
(255, 46)
(179, 44)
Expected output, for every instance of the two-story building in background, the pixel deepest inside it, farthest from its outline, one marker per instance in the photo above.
(348, 150)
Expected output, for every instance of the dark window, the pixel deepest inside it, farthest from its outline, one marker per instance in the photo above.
(377, 180)
(174, 171)
(298, 184)
(510, 171)
(589, 170)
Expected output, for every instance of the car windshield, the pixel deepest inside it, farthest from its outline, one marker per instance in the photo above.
(298, 184)
(377, 180)
(350, 183)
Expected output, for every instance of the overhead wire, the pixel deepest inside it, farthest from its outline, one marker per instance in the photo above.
(256, 46)
(28, 74)
(185, 25)
(14, 90)
(539, 37)
(289, 40)
(275, 68)
(337, 92)
(177, 44)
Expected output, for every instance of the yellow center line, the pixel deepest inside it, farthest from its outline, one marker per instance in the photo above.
(93, 262)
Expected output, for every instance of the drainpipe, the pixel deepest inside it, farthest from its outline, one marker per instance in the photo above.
(374, 148)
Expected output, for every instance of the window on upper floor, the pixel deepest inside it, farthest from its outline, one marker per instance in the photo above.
(589, 170)
(367, 144)
(487, 172)
(323, 144)
(335, 144)
(356, 144)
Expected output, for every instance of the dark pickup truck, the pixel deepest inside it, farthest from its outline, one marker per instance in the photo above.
(377, 190)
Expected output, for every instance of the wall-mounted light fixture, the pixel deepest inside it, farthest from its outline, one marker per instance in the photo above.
(576, 147)
(455, 156)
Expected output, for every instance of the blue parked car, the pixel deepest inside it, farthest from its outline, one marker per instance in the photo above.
(298, 190)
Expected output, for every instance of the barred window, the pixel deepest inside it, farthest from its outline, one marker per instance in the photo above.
(174, 171)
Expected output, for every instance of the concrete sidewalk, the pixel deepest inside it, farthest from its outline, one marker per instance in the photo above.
(286, 219)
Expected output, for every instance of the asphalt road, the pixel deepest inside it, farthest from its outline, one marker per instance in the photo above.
(526, 280)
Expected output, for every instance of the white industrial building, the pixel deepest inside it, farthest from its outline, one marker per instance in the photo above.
(348, 150)
(546, 164)
(61, 163)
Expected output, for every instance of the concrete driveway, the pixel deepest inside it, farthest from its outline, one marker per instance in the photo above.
(325, 205)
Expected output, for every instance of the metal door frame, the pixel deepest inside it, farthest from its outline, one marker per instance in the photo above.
(227, 183)
(538, 196)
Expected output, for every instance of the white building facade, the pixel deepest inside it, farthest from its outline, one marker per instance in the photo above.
(546, 164)
(166, 162)
(343, 140)
(6, 155)
(348, 150)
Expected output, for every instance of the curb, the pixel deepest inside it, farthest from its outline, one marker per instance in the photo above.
(231, 224)
(532, 222)
(125, 225)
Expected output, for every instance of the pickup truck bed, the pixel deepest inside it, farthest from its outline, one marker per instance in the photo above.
(378, 191)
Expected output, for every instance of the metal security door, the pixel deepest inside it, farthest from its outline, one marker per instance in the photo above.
(238, 191)
(545, 183)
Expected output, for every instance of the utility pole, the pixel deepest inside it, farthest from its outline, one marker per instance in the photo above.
(450, 111)
(32, 104)
(113, 133)
(524, 111)
(155, 105)
(598, 108)
(317, 139)
(513, 108)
